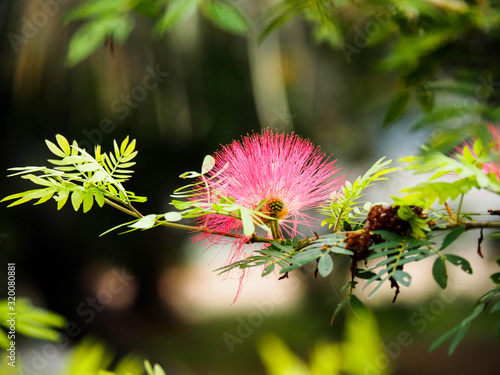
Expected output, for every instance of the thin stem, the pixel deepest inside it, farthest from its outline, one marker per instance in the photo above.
(275, 229)
(450, 214)
(459, 209)
(274, 224)
(133, 213)
(472, 225)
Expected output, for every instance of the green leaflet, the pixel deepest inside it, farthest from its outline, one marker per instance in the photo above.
(439, 272)
(358, 308)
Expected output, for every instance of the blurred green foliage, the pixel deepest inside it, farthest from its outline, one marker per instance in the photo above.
(357, 354)
(28, 320)
(442, 51)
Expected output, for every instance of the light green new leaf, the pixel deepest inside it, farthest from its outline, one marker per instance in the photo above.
(54, 149)
(208, 164)
(62, 198)
(172, 216)
(99, 198)
(98, 176)
(145, 222)
(27, 328)
(123, 146)
(130, 148)
(246, 219)
(89, 167)
(77, 198)
(157, 370)
(88, 201)
(64, 144)
(37, 180)
(478, 148)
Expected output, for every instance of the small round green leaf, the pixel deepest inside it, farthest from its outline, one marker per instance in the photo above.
(172, 216)
(208, 164)
(404, 278)
(145, 222)
(325, 265)
(76, 199)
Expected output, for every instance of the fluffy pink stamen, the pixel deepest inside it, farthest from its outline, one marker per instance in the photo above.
(267, 165)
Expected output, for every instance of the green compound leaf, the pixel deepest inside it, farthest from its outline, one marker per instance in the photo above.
(439, 272)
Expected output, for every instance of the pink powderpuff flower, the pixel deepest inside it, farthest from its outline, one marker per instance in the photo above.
(493, 166)
(287, 171)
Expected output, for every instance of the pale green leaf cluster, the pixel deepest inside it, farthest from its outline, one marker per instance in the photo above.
(346, 211)
(80, 177)
(30, 321)
(466, 167)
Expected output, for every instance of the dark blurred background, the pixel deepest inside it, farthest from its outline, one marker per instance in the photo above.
(210, 87)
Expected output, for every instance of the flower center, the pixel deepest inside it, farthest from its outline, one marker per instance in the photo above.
(275, 205)
(276, 208)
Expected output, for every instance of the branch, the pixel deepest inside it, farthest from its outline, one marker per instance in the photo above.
(471, 225)
(132, 211)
